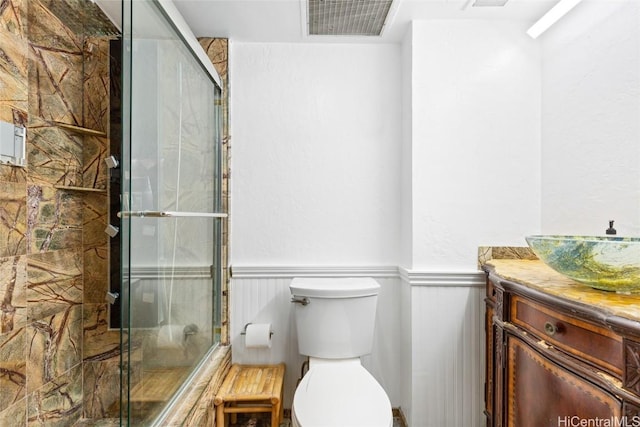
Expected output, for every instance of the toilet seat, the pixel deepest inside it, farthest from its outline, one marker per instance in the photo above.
(342, 394)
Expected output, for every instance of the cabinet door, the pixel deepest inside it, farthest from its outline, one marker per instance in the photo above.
(540, 393)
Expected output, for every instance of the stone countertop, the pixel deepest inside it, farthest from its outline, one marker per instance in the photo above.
(537, 275)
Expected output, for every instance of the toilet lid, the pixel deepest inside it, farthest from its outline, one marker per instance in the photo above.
(345, 396)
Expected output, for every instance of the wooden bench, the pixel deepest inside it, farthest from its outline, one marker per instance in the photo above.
(250, 389)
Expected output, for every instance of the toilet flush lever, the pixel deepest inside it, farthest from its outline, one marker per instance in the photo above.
(300, 300)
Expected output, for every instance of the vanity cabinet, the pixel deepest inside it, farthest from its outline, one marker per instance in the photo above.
(558, 361)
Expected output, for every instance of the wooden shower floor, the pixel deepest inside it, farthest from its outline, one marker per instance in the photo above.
(158, 385)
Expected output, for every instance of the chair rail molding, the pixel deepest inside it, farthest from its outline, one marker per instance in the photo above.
(413, 277)
(274, 272)
(443, 278)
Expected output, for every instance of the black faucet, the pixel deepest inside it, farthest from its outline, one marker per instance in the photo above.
(611, 230)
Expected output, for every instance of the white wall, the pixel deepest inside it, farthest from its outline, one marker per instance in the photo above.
(474, 148)
(315, 181)
(316, 135)
(591, 120)
(406, 218)
(476, 139)
(326, 172)
(409, 155)
(406, 171)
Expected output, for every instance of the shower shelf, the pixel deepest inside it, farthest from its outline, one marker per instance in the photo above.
(81, 130)
(85, 189)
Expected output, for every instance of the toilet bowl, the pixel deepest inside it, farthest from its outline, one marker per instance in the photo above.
(340, 393)
(335, 321)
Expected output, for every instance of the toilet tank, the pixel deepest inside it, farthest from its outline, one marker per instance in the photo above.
(335, 317)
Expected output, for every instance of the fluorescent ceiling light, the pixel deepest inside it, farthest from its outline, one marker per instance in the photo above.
(549, 18)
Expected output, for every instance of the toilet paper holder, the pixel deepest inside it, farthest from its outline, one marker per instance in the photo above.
(244, 330)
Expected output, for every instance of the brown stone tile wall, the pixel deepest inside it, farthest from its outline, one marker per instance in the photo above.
(53, 250)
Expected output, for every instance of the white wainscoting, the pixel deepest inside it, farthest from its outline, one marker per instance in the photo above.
(261, 295)
(447, 349)
(429, 343)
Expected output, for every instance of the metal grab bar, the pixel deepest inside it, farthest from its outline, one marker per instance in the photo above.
(170, 214)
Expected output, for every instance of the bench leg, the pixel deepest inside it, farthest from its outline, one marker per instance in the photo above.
(220, 415)
(275, 415)
(234, 416)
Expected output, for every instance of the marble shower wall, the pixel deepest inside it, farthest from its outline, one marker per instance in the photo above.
(53, 251)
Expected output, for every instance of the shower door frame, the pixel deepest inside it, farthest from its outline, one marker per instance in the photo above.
(175, 20)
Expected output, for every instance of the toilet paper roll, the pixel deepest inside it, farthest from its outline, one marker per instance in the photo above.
(258, 335)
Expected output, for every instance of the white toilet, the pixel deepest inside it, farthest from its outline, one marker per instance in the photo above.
(335, 321)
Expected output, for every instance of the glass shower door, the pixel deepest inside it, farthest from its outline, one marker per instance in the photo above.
(170, 221)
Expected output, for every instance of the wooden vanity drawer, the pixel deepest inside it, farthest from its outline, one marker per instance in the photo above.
(585, 340)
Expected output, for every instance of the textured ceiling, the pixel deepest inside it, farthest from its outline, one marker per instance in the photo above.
(286, 20)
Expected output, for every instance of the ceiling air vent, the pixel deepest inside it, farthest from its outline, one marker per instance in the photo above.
(347, 17)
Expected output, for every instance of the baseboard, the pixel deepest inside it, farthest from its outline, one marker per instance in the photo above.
(399, 415)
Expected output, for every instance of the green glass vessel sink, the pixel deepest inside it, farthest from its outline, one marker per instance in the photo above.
(609, 263)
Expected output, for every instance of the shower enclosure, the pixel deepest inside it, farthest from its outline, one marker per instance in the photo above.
(170, 220)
